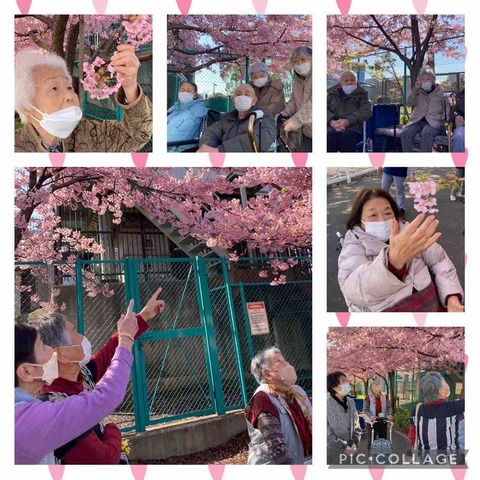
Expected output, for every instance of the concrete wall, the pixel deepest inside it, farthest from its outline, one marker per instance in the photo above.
(186, 438)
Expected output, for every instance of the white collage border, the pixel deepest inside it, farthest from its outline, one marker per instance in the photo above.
(317, 160)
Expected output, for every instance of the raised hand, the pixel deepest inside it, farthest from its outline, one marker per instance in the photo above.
(414, 239)
(126, 64)
(153, 307)
(128, 323)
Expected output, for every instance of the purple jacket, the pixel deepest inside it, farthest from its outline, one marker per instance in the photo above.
(41, 427)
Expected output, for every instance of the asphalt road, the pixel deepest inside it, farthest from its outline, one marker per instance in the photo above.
(339, 200)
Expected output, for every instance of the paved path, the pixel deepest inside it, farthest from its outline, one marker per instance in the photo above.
(339, 201)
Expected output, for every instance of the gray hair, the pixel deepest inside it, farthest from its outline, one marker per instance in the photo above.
(26, 61)
(261, 361)
(351, 72)
(429, 386)
(427, 72)
(258, 67)
(52, 330)
(299, 51)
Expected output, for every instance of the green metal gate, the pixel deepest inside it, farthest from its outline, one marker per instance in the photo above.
(194, 359)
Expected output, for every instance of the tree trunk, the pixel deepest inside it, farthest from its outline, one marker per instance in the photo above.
(58, 34)
(391, 380)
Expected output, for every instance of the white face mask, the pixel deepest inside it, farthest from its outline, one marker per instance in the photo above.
(348, 89)
(61, 123)
(260, 82)
(185, 97)
(87, 351)
(344, 389)
(380, 230)
(288, 375)
(50, 369)
(302, 69)
(427, 85)
(243, 103)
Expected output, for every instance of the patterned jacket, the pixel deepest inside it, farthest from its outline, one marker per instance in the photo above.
(129, 135)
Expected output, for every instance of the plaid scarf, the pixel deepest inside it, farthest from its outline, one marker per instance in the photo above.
(283, 394)
(426, 300)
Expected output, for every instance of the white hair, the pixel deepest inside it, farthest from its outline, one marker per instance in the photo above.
(259, 67)
(26, 61)
(427, 72)
(261, 361)
(349, 72)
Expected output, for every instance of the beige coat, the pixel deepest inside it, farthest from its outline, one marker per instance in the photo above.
(299, 107)
(129, 135)
(368, 285)
(270, 97)
(428, 105)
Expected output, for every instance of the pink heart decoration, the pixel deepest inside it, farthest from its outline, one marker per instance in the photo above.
(420, 6)
(460, 158)
(217, 158)
(420, 318)
(298, 471)
(344, 6)
(343, 318)
(24, 6)
(260, 6)
(100, 5)
(377, 159)
(184, 6)
(56, 471)
(216, 471)
(139, 471)
(465, 361)
(376, 473)
(57, 159)
(458, 473)
(300, 158)
(140, 159)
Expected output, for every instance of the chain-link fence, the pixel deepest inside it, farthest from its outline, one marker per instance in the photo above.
(449, 71)
(195, 357)
(217, 92)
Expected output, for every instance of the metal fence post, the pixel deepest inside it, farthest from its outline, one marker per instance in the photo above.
(247, 322)
(140, 404)
(79, 295)
(233, 320)
(202, 282)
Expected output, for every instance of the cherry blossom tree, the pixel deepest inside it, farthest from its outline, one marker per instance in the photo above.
(414, 39)
(204, 204)
(195, 42)
(89, 40)
(380, 351)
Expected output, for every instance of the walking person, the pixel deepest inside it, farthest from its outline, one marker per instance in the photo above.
(376, 405)
(396, 175)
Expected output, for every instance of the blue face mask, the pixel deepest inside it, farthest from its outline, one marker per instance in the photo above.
(427, 85)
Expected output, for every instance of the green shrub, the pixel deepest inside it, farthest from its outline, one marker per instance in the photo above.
(402, 419)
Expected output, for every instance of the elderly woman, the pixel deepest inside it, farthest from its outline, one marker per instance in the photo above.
(387, 264)
(439, 425)
(79, 371)
(299, 107)
(230, 133)
(279, 415)
(343, 424)
(376, 405)
(348, 107)
(186, 115)
(42, 427)
(427, 118)
(269, 92)
(50, 109)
